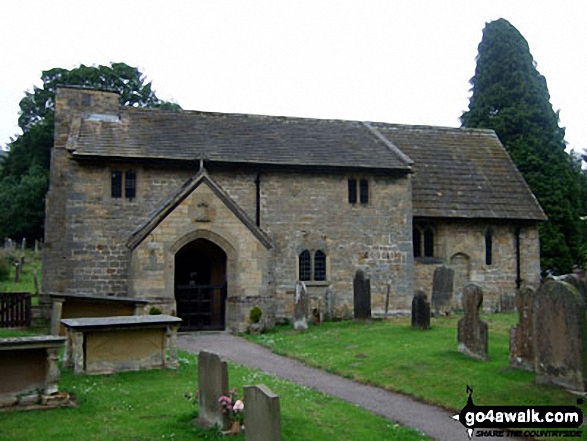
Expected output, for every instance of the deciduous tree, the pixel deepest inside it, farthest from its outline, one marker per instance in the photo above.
(23, 174)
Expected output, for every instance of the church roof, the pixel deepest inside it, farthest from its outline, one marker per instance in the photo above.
(235, 138)
(458, 173)
(462, 173)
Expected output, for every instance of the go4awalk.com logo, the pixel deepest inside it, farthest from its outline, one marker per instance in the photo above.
(520, 421)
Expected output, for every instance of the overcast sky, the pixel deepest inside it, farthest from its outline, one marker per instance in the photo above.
(403, 62)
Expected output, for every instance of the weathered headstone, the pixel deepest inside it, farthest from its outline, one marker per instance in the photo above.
(262, 414)
(442, 290)
(560, 336)
(521, 335)
(300, 307)
(212, 384)
(578, 282)
(472, 332)
(420, 311)
(362, 296)
(330, 303)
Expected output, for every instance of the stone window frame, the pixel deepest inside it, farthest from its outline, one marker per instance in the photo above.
(424, 240)
(359, 190)
(314, 274)
(123, 183)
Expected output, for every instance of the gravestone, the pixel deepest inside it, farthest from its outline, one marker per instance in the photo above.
(420, 311)
(329, 303)
(560, 335)
(262, 414)
(578, 282)
(442, 290)
(472, 332)
(362, 296)
(521, 335)
(212, 384)
(300, 307)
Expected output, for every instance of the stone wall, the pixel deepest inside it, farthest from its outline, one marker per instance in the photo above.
(460, 245)
(312, 212)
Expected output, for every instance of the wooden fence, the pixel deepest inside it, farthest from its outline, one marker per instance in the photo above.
(15, 310)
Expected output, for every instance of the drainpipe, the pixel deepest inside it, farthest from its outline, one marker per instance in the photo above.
(518, 263)
(258, 199)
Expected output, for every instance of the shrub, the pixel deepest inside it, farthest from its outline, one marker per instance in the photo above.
(154, 310)
(255, 314)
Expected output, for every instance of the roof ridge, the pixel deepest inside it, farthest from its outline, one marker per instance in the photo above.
(436, 128)
(389, 144)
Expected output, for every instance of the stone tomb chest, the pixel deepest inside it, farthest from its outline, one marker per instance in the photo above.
(28, 368)
(67, 306)
(125, 343)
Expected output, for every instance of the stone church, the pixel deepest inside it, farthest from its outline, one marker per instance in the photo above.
(205, 215)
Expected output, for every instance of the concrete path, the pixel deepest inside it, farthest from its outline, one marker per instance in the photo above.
(433, 421)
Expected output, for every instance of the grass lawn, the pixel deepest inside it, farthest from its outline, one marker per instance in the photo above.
(424, 364)
(151, 405)
(27, 281)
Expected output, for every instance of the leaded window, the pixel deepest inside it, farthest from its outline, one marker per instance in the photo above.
(130, 184)
(364, 191)
(319, 266)
(116, 184)
(305, 266)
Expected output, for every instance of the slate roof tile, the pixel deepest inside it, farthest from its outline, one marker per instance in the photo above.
(462, 173)
(235, 138)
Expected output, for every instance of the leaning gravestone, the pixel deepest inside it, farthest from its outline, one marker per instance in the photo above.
(442, 290)
(362, 296)
(262, 414)
(420, 311)
(521, 335)
(300, 307)
(560, 336)
(472, 333)
(212, 384)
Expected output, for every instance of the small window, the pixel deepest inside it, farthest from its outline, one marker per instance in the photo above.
(126, 181)
(428, 242)
(352, 191)
(488, 247)
(116, 184)
(305, 266)
(130, 184)
(417, 238)
(319, 266)
(364, 191)
(423, 240)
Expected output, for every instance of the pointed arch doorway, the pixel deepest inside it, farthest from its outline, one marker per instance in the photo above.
(200, 285)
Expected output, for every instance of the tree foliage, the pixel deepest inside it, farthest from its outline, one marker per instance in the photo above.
(511, 97)
(24, 173)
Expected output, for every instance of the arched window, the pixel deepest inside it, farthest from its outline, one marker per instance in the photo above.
(488, 247)
(423, 240)
(305, 266)
(319, 266)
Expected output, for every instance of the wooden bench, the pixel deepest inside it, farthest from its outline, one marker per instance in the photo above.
(28, 368)
(124, 343)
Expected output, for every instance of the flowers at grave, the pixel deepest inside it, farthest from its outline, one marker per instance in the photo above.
(232, 406)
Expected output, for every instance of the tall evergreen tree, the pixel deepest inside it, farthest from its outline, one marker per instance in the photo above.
(511, 97)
